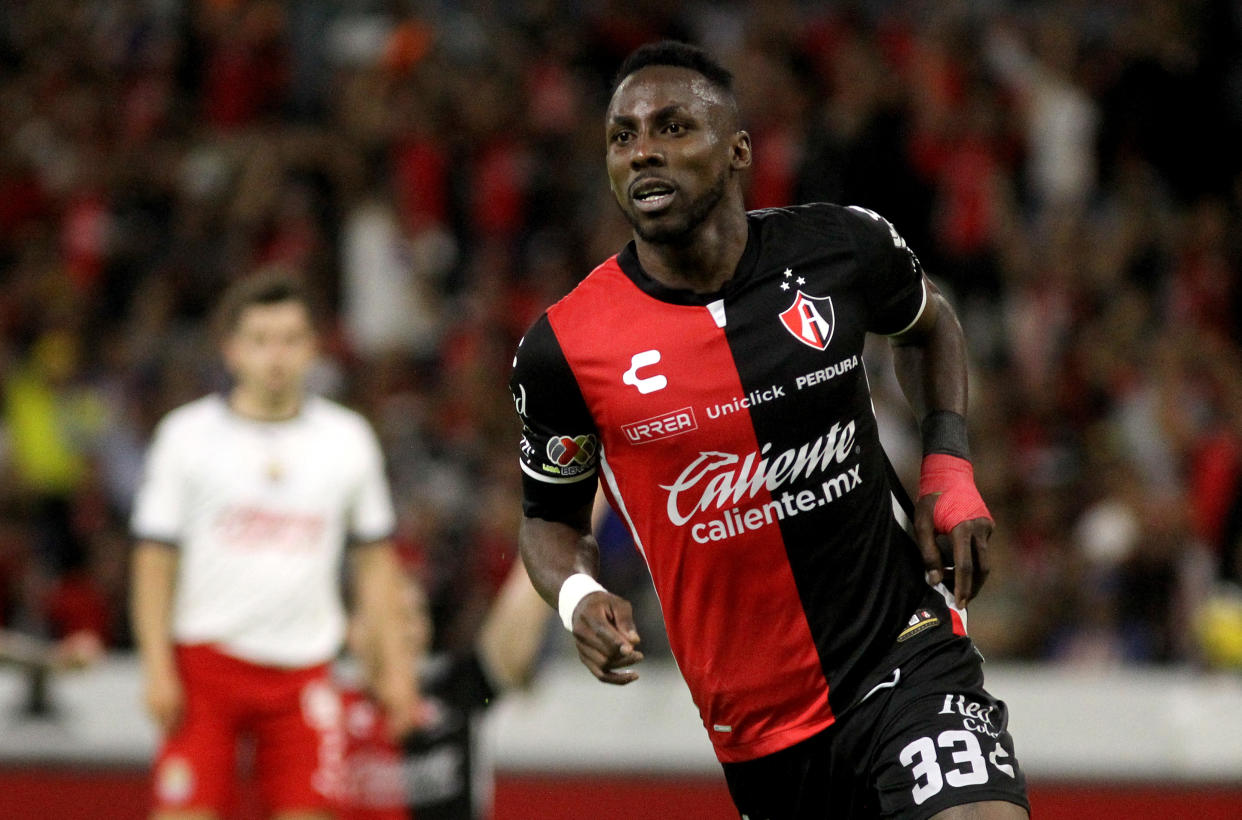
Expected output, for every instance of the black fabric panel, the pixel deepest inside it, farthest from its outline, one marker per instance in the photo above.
(857, 572)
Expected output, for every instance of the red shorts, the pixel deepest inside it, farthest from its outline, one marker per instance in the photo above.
(291, 716)
(374, 783)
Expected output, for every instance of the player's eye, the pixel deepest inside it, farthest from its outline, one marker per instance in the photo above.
(622, 137)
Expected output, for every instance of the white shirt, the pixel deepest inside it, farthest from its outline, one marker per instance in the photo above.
(261, 512)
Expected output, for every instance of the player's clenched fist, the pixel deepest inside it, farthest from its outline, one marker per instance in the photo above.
(949, 504)
(604, 632)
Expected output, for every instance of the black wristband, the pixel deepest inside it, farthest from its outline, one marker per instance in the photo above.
(945, 432)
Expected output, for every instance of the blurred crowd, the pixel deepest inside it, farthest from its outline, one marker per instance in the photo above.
(1068, 171)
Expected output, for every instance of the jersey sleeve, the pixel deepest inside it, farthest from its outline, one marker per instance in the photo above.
(160, 503)
(560, 444)
(372, 517)
(892, 276)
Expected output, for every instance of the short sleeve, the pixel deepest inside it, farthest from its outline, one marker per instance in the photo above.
(892, 276)
(160, 503)
(372, 517)
(559, 449)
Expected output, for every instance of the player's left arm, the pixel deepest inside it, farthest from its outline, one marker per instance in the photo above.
(930, 361)
(379, 596)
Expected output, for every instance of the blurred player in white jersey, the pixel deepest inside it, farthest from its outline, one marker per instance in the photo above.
(248, 503)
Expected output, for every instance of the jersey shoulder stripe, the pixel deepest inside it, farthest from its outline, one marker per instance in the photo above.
(599, 284)
(559, 449)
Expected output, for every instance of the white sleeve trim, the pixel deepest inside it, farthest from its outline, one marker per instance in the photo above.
(547, 479)
(918, 314)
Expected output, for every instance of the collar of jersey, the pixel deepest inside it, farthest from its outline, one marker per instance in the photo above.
(223, 398)
(627, 260)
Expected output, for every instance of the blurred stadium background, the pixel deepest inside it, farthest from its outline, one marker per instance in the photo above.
(1069, 171)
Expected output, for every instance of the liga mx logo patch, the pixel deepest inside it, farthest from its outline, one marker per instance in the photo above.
(810, 319)
(564, 451)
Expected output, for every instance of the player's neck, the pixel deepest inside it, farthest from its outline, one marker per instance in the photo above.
(705, 260)
(261, 406)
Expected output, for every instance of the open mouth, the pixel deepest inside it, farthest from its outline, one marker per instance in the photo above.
(653, 195)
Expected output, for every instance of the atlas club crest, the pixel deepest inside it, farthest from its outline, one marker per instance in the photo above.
(810, 319)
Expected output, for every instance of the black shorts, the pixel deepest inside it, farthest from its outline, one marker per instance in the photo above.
(928, 737)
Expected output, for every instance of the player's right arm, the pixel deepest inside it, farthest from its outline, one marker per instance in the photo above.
(602, 623)
(153, 575)
(159, 510)
(559, 457)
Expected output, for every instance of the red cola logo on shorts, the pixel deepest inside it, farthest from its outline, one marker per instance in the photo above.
(723, 480)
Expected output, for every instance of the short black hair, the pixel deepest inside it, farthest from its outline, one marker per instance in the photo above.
(270, 287)
(680, 55)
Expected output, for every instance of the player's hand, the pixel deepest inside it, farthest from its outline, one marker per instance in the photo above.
(967, 543)
(606, 637)
(400, 701)
(949, 505)
(164, 699)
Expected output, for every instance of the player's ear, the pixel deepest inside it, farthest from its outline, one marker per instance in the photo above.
(741, 154)
(228, 352)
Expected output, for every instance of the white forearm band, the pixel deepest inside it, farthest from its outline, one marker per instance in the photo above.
(573, 590)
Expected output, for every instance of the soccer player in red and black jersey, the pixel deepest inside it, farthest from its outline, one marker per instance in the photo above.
(710, 377)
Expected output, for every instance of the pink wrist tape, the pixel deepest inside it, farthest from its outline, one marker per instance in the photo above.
(954, 479)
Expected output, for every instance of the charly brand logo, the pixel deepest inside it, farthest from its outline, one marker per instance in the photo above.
(806, 320)
(647, 384)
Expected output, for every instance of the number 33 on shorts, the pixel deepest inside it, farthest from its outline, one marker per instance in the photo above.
(954, 758)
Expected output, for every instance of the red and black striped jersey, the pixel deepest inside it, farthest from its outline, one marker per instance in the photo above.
(734, 434)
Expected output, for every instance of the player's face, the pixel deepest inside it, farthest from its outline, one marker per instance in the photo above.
(271, 350)
(673, 150)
